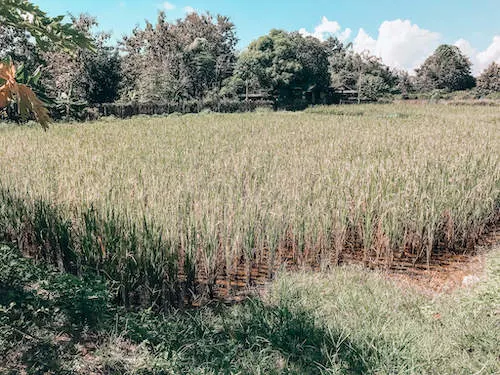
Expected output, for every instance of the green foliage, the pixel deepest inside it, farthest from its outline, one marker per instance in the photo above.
(194, 59)
(283, 63)
(17, 45)
(15, 271)
(405, 84)
(82, 78)
(372, 87)
(253, 338)
(38, 305)
(489, 80)
(233, 86)
(48, 32)
(183, 60)
(103, 72)
(361, 72)
(20, 97)
(22, 22)
(40, 290)
(83, 300)
(347, 321)
(66, 81)
(394, 329)
(447, 68)
(104, 243)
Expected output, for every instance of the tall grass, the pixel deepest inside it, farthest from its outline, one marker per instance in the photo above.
(160, 202)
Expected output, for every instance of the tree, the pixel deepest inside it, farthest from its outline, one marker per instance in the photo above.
(18, 17)
(17, 45)
(187, 59)
(48, 32)
(447, 68)
(343, 64)
(313, 57)
(82, 77)
(103, 70)
(489, 80)
(404, 82)
(354, 71)
(371, 87)
(282, 63)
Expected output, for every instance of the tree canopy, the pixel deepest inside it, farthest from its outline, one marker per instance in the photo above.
(75, 80)
(489, 80)
(47, 31)
(447, 68)
(186, 59)
(21, 17)
(281, 62)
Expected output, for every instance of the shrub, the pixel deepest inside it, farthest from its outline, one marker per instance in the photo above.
(489, 80)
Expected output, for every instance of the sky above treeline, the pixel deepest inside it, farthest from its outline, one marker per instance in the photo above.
(402, 33)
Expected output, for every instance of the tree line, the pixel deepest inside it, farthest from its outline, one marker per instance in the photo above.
(195, 59)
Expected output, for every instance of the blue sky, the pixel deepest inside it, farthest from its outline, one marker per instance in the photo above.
(471, 24)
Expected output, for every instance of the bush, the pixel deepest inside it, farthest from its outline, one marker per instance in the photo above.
(123, 110)
(83, 300)
(41, 311)
(36, 288)
(373, 87)
(447, 68)
(489, 80)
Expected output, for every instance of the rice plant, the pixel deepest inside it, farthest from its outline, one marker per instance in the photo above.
(164, 206)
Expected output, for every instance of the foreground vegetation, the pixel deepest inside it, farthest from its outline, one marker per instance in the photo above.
(348, 321)
(157, 204)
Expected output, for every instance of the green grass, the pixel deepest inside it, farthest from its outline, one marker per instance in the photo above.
(348, 321)
(141, 200)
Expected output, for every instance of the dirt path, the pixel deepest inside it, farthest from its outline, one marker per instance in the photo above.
(455, 271)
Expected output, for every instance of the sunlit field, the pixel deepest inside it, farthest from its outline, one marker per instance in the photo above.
(157, 204)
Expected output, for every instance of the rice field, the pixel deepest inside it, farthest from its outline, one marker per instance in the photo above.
(166, 206)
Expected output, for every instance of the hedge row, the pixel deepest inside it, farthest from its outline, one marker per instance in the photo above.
(123, 110)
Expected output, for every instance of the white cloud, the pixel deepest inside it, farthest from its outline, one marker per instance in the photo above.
(122, 4)
(400, 44)
(325, 29)
(364, 42)
(466, 48)
(189, 9)
(168, 6)
(344, 35)
(481, 60)
(404, 45)
(491, 54)
(470, 52)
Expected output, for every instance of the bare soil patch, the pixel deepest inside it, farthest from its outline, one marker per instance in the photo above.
(444, 273)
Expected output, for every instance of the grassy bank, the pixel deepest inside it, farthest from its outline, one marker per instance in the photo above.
(155, 203)
(348, 321)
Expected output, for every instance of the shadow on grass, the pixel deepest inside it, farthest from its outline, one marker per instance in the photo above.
(248, 338)
(24, 320)
(38, 304)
